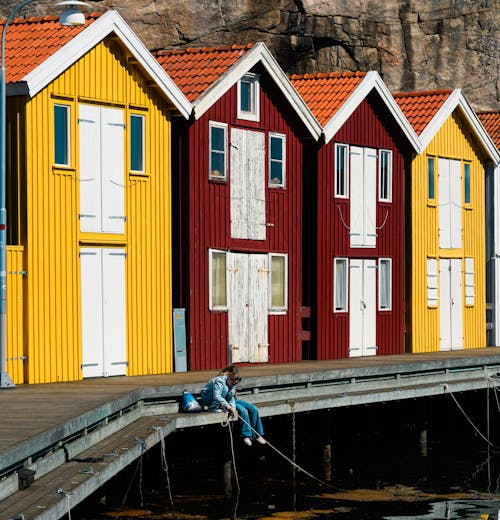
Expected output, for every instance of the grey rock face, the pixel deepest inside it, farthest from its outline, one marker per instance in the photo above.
(414, 44)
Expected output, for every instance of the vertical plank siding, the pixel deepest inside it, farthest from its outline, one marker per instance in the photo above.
(452, 141)
(369, 126)
(208, 215)
(104, 77)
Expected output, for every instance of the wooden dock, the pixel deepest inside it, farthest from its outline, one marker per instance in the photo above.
(76, 436)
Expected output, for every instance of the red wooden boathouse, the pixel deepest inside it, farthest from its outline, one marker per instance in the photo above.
(356, 254)
(238, 222)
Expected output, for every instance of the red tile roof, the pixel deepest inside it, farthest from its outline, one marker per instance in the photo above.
(30, 41)
(420, 107)
(326, 93)
(194, 70)
(491, 122)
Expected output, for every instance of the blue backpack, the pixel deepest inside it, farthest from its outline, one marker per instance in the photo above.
(188, 403)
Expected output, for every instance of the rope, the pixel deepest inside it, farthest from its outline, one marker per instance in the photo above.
(164, 465)
(470, 421)
(342, 218)
(294, 464)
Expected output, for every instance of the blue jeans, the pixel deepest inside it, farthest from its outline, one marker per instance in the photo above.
(249, 414)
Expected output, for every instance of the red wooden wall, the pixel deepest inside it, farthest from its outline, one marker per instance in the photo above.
(202, 219)
(369, 126)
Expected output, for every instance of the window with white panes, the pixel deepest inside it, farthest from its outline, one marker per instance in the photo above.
(62, 135)
(340, 285)
(217, 280)
(248, 97)
(385, 176)
(137, 143)
(278, 283)
(217, 169)
(341, 170)
(277, 163)
(385, 284)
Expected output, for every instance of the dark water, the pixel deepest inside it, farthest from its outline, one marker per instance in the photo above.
(378, 469)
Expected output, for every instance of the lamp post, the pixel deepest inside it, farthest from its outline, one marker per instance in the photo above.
(71, 16)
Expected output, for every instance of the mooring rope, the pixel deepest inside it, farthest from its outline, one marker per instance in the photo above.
(294, 464)
(164, 464)
(226, 423)
(470, 420)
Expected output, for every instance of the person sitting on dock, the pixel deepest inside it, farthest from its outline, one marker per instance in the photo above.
(219, 395)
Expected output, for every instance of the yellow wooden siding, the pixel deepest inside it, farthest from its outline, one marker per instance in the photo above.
(452, 141)
(103, 76)
(15, 321)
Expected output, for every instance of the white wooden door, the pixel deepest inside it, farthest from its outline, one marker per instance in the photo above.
(362, 307)
(450, 304)
(247, 185)
(101, 182)
(102, 273)
(247, 313)
(450, 204)
(363, 196)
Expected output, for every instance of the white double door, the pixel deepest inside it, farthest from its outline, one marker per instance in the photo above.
(451, 304)
(248, 307)
(102, 272)
(362, 307)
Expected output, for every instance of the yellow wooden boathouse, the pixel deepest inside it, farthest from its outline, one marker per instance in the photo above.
(445, 261)
(89, 202)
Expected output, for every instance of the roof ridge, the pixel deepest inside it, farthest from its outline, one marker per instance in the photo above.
(47, 18)
(326, 75)
(415, 93)
(194, 50)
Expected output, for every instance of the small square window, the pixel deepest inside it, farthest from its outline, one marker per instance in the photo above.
(278, 282)
(217, 169)
(248, 97)
(341, 170)
(277, 147)
(61, 135)
(340, 285)
(137, 143)
(430, 178)
(385, 176)
(385, 284)
(467, 183)
(218, 281)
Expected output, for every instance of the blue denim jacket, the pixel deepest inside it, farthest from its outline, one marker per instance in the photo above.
(216, 395)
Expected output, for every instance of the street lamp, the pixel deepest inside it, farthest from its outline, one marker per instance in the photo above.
(70, 16)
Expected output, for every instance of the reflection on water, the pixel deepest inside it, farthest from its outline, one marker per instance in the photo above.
(377, 472)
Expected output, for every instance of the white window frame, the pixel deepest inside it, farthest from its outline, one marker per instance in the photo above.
(467, 169)
(277, 309)
(254, 113)
(345, 261)
(388, 197)
(432, 278)
(387, 261)
(224, 127)
(282, 137)
(211, 307)
(346, 172)
(469, 282)
(68, 135)
(143, 142)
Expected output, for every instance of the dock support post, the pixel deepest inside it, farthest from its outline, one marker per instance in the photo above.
(228, 477)
(422, 426)
(326, 445)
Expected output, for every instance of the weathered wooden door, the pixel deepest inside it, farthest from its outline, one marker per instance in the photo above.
(101, 179)
(247, 189)
(102, 273)
(362, 307)
(450, 304)
(248, 304)
(363, 196)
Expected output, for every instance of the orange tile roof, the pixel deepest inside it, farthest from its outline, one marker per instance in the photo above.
(491, 122)
(30, 41)
(194, 70)
(326, 93)
(420, 107)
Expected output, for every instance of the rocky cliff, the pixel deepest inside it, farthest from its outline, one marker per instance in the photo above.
(413, 44)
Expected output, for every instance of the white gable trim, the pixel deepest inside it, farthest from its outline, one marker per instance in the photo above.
(258, 53)
(457, 99)
(110, 22)
(371, 81)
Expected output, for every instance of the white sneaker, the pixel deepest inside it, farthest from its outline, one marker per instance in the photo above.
(247, 441)
(260, 440)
